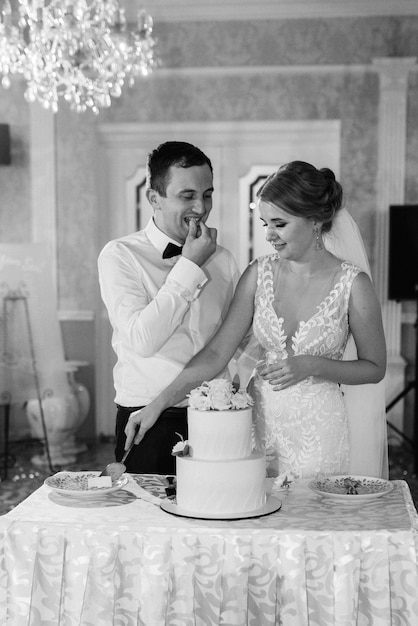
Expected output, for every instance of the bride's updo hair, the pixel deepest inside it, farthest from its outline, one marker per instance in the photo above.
(301, 189)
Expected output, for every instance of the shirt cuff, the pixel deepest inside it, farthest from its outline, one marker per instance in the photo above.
(188, 275)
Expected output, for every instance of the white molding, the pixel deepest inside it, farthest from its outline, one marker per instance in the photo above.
(246, 238)
(76, 316)
(223, 10)
(258, 70)
(127, 135)
(131, 183)
(219, 71)
(231, 145)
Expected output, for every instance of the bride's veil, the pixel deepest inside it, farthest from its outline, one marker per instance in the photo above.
(365, 404)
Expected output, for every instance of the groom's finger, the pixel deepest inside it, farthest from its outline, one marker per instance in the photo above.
(139, 436)
(192, 234)
(131, 428)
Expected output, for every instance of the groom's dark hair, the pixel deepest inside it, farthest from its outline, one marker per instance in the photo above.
(168, 154)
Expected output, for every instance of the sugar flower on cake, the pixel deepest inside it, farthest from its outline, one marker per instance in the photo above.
(218, 394)
(181, 448)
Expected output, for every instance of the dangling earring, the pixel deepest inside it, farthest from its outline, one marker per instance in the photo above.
(318, 241)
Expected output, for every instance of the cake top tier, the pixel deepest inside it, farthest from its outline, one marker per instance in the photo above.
(220, 435)
(219, 394)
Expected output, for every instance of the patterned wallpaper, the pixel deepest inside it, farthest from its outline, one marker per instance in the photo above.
(78, 210)
(15, 208)
(411, 183)
(286, 42)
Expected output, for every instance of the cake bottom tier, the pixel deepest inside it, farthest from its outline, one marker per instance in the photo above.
(221, 487)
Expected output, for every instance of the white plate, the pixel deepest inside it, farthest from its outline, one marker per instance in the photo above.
(75, 484)
(272, 505)
(336, 487)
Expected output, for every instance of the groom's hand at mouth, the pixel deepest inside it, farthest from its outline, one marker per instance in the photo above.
(199, 247)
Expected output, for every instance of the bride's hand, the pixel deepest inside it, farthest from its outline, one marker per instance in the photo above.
(287, 372)
(139, 423)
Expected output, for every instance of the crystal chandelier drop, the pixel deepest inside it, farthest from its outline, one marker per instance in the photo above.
(78, 50)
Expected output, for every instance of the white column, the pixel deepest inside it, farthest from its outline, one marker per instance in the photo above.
(393, 73)
(43, 181)
(63, 414)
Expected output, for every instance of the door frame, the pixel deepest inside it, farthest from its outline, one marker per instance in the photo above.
(123, 154)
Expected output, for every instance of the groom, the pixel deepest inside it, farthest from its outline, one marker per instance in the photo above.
(167, 289)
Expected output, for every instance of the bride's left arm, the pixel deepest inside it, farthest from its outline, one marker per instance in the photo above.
(365, 319)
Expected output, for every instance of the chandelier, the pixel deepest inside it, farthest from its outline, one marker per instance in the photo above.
(78, 50)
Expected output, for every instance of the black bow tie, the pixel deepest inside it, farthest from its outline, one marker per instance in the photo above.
(171, 250)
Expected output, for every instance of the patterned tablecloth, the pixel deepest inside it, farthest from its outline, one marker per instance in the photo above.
(122, 561)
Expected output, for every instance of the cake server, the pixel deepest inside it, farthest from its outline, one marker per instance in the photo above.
(116, 469)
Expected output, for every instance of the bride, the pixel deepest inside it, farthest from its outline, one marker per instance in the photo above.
(316, 336)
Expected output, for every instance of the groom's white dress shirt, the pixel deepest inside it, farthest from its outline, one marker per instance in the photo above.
(162, 311)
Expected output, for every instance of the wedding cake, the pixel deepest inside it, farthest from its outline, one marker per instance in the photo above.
(217, 471)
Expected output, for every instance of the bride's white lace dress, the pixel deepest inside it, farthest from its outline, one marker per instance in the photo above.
(304, 427)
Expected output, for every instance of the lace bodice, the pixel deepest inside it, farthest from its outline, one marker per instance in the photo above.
(302, 427)
(324, 334)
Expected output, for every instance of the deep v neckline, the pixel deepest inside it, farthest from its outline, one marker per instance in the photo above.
(293, 338)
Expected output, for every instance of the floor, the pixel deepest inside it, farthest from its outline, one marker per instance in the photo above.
(24, 476)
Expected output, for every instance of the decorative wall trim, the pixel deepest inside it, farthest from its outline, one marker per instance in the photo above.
(137, 209)
(260, 70)
(128, 135)
(221, 10)
(233, 147)
(76, 316)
